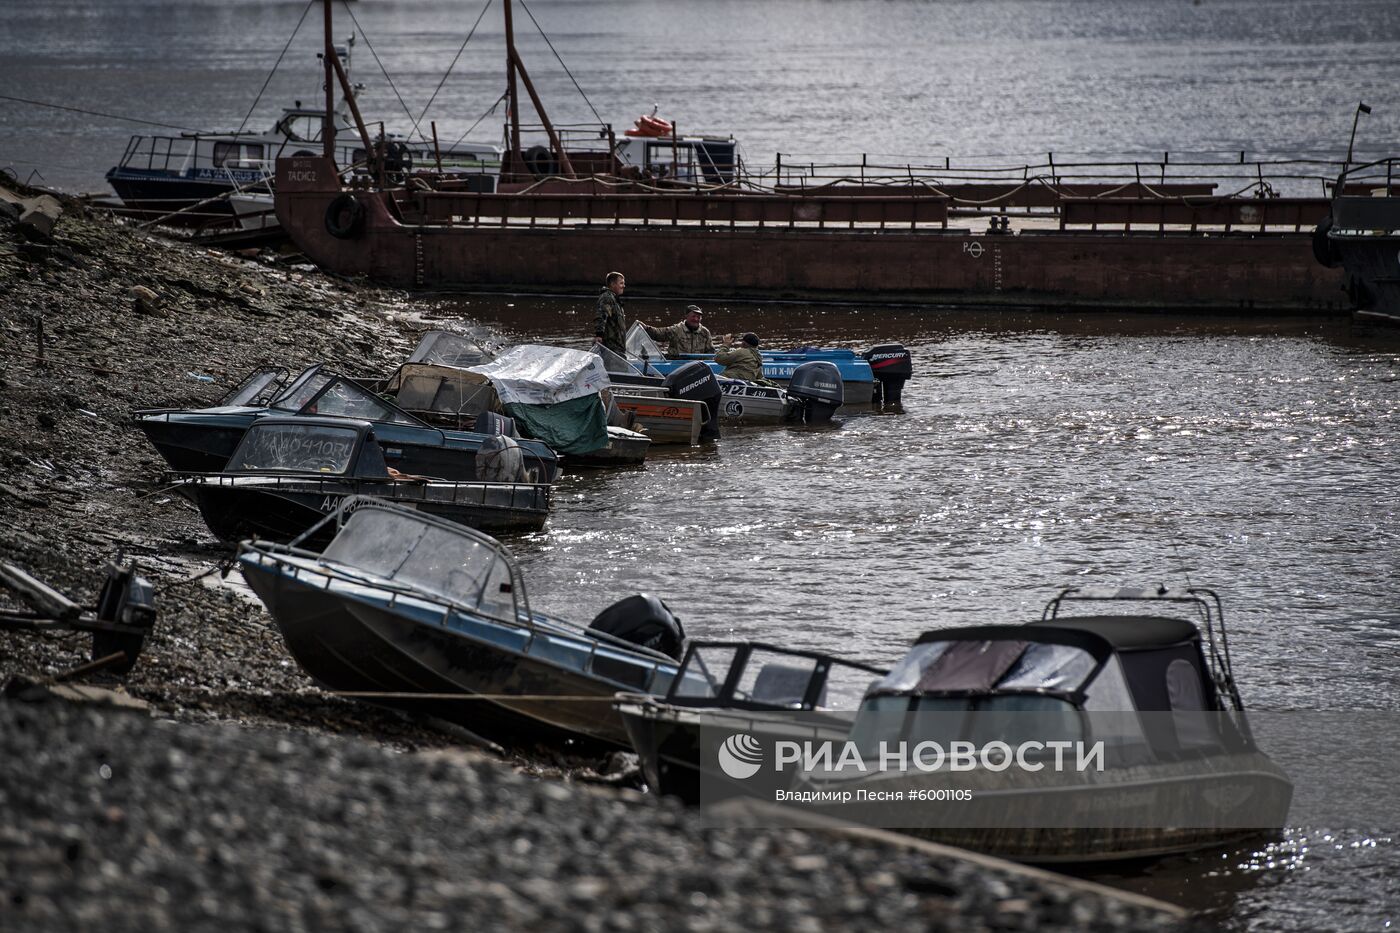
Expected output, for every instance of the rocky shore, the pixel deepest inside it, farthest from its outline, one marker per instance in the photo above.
(244, 798)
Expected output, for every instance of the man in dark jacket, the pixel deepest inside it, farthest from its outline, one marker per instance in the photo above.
(609, 323)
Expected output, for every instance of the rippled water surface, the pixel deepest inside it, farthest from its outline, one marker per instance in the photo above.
(1035, 451)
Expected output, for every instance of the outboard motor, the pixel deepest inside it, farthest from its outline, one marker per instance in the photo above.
(817, 385)
(892, 365)
(499, 459)
(643, 620)
(695, 380)
(489, 422)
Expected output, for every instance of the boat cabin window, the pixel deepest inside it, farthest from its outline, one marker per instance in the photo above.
(448, 349)
(775, 678)
(302, 389)
(1050, 667)
(704, 673)
(294, 448)
(255, 390)
(442, 390)
(237, 155)
(303, 127)
(347, 400)
(430, 558)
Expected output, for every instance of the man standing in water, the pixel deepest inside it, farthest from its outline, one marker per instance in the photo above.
(687, 336)
(610, 324)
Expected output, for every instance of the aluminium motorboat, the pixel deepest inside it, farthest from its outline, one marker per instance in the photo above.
(411, 611)
(289, 473)
(1176, 766)
(753, 688)
(202, 440)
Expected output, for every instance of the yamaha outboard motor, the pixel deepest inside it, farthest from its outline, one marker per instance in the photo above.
(892, 366)
(817, 385)
(499, 459)
(695, 380)
(489, 422)
(643, 620)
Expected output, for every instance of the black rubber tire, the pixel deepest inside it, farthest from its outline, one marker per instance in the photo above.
(1324, 250)
(345, 217)
(541, 162)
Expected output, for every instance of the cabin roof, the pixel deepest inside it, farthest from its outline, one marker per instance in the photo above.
(1127, 632)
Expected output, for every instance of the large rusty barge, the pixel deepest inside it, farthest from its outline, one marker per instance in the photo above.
(568, 209)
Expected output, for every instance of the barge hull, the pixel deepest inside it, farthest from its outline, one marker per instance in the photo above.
(1054, 268)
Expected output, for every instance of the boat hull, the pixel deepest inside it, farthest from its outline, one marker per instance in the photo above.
(279, 509)
(350, 646)
(664, 420)
(1235, 272)
(1365, 240)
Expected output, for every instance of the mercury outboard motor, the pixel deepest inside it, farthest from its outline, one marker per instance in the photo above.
(892, 366)
(695, 380)
(817, 385)
(643, 620)
(489, 422)
(499, 459)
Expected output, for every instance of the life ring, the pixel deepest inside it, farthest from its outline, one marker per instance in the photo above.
(1324, 250)
(345, 217)
(650, 126)
(541, 162)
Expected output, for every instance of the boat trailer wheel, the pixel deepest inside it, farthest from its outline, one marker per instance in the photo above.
(345, 217)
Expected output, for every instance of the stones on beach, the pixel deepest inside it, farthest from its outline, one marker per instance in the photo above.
(145, 300)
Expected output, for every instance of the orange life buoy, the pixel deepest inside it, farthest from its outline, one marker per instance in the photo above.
(650, 126)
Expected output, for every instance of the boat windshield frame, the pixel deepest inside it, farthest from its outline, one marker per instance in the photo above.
(724, 694)
(333, 380)
(268, 379)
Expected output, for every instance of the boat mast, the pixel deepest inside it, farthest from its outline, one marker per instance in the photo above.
(513, 66)
(328, 123)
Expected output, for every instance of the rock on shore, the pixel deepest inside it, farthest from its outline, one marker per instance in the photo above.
(252, 801)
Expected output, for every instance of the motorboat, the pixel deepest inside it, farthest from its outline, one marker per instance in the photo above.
(411, 611)
(739, 687)
(653, 406)
(202, 440)
(288, 473)
(1171, 764)
(559, 396)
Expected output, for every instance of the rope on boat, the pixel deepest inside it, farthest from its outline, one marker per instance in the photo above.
(382, 69)
(249, 115)
(448, 72)
(596, 115)
(98, 113)
(495, 697)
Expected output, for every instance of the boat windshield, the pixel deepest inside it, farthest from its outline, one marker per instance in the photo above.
(260, 386)
(770, 677)
(642, 347)
(294, 448)
(615, 364)
(987, 665)
(322, 393)
(430, 559)
(448, 349)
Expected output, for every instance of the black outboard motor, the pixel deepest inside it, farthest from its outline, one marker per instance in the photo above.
(127, 601)
(695, 380)
(499, 459)
(490, 422)
(817, 385)
(643, 620)
(892, 365)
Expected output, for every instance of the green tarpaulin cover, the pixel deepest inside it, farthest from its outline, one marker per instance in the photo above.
(573, 427)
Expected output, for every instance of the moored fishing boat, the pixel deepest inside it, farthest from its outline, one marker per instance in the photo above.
(413, 612)
(288, 473)
(1178, 768)
(1361, 234)
(202, 440)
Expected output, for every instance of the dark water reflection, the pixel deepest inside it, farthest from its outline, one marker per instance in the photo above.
(1034, 452)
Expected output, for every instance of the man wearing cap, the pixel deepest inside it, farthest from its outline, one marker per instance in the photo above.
(609, 322)
(687, 336)
(741, 360)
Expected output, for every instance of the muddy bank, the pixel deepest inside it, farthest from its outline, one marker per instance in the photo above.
(250, 798)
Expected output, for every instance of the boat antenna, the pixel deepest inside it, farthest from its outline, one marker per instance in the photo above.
(249, 115)
(1186, 571)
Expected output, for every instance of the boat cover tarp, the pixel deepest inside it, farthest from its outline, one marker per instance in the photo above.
(576, 426)
(536, 375)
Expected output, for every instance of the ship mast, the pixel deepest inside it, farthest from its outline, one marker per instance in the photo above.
(514, 67)
(335, 71)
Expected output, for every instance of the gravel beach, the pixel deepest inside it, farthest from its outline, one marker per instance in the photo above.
(245, 798)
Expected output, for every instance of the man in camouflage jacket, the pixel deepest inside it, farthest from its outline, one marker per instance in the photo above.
(742, 360)
(610, 323)
(687, 336)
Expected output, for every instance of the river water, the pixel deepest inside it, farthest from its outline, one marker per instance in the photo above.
(1034, 452)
